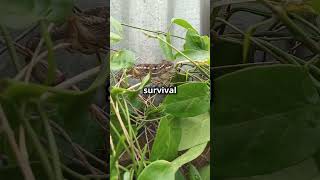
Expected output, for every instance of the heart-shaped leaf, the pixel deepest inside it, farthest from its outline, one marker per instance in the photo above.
(167, 140)
(192, 99)
(194, 130)
(161, 169)
(122, 59)
(266, 118)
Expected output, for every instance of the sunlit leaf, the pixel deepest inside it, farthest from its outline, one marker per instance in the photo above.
(194, 173)
(161, 169)
(167, 140)
(191, 100)
(121, 60)
(194, 130)
(166, 49)
(183, 23)
(195, 55)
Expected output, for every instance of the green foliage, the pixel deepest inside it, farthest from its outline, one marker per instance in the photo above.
(315, 5)
(166, 143)
(266, 116)
(194, 173)
(183, 23)
(162, 169)
(196, 55)
(205, 172)
(196, 47)
(177, 117)
(166, 49)
(194, 130)
(280, 113)
(122, 59)
(115, 31)
(20, 14)
(192, 99)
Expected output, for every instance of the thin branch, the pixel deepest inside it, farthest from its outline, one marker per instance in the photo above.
(21, 36)
(292, 27)
(38, 147)
(10, 45)
(74, 80)
(37, 59)
(51, 62)
(21, 160)
(52, 143)
(35, 56)
(148, 30)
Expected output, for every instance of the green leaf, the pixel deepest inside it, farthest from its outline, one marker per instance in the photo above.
(246, 46)
(166, 49)
(114, 165)
(316, 178)
(183, 23)
(114, 38)
(206, 41)
(195, 41)
(116, 26)
(195, 55)
(122, 59)
(179, 176)
(131, 92)
(161, 169)
(315, 7)
(115, 31)
(315, 4)
(126, 176)
(194, 173)
(20, 91)
(21, 14)
(194, 131)
(191, 100)
(261, 116)
(222, 56)
(60, 10)
(158, 170)
(167, 140)
(221, 53)
(205, 173)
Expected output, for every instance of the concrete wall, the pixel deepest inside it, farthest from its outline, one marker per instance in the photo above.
(156, 15)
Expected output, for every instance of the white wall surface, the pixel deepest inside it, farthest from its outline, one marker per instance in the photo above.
(156, 15)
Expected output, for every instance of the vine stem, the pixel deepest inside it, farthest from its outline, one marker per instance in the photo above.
(115, 106)
(295, 29)
(51, 62)
(243, 65)
(266, 46)
(74, 146)
(38, 147)
(84, 75)
(22, 160)
(21, 36)
(11, 47)
(148, 30)
(33, 59)
(52, 143)
(187, 57)
(37, 59)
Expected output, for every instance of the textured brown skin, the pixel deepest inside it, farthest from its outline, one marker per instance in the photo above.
(87, 32)
(142, 70)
